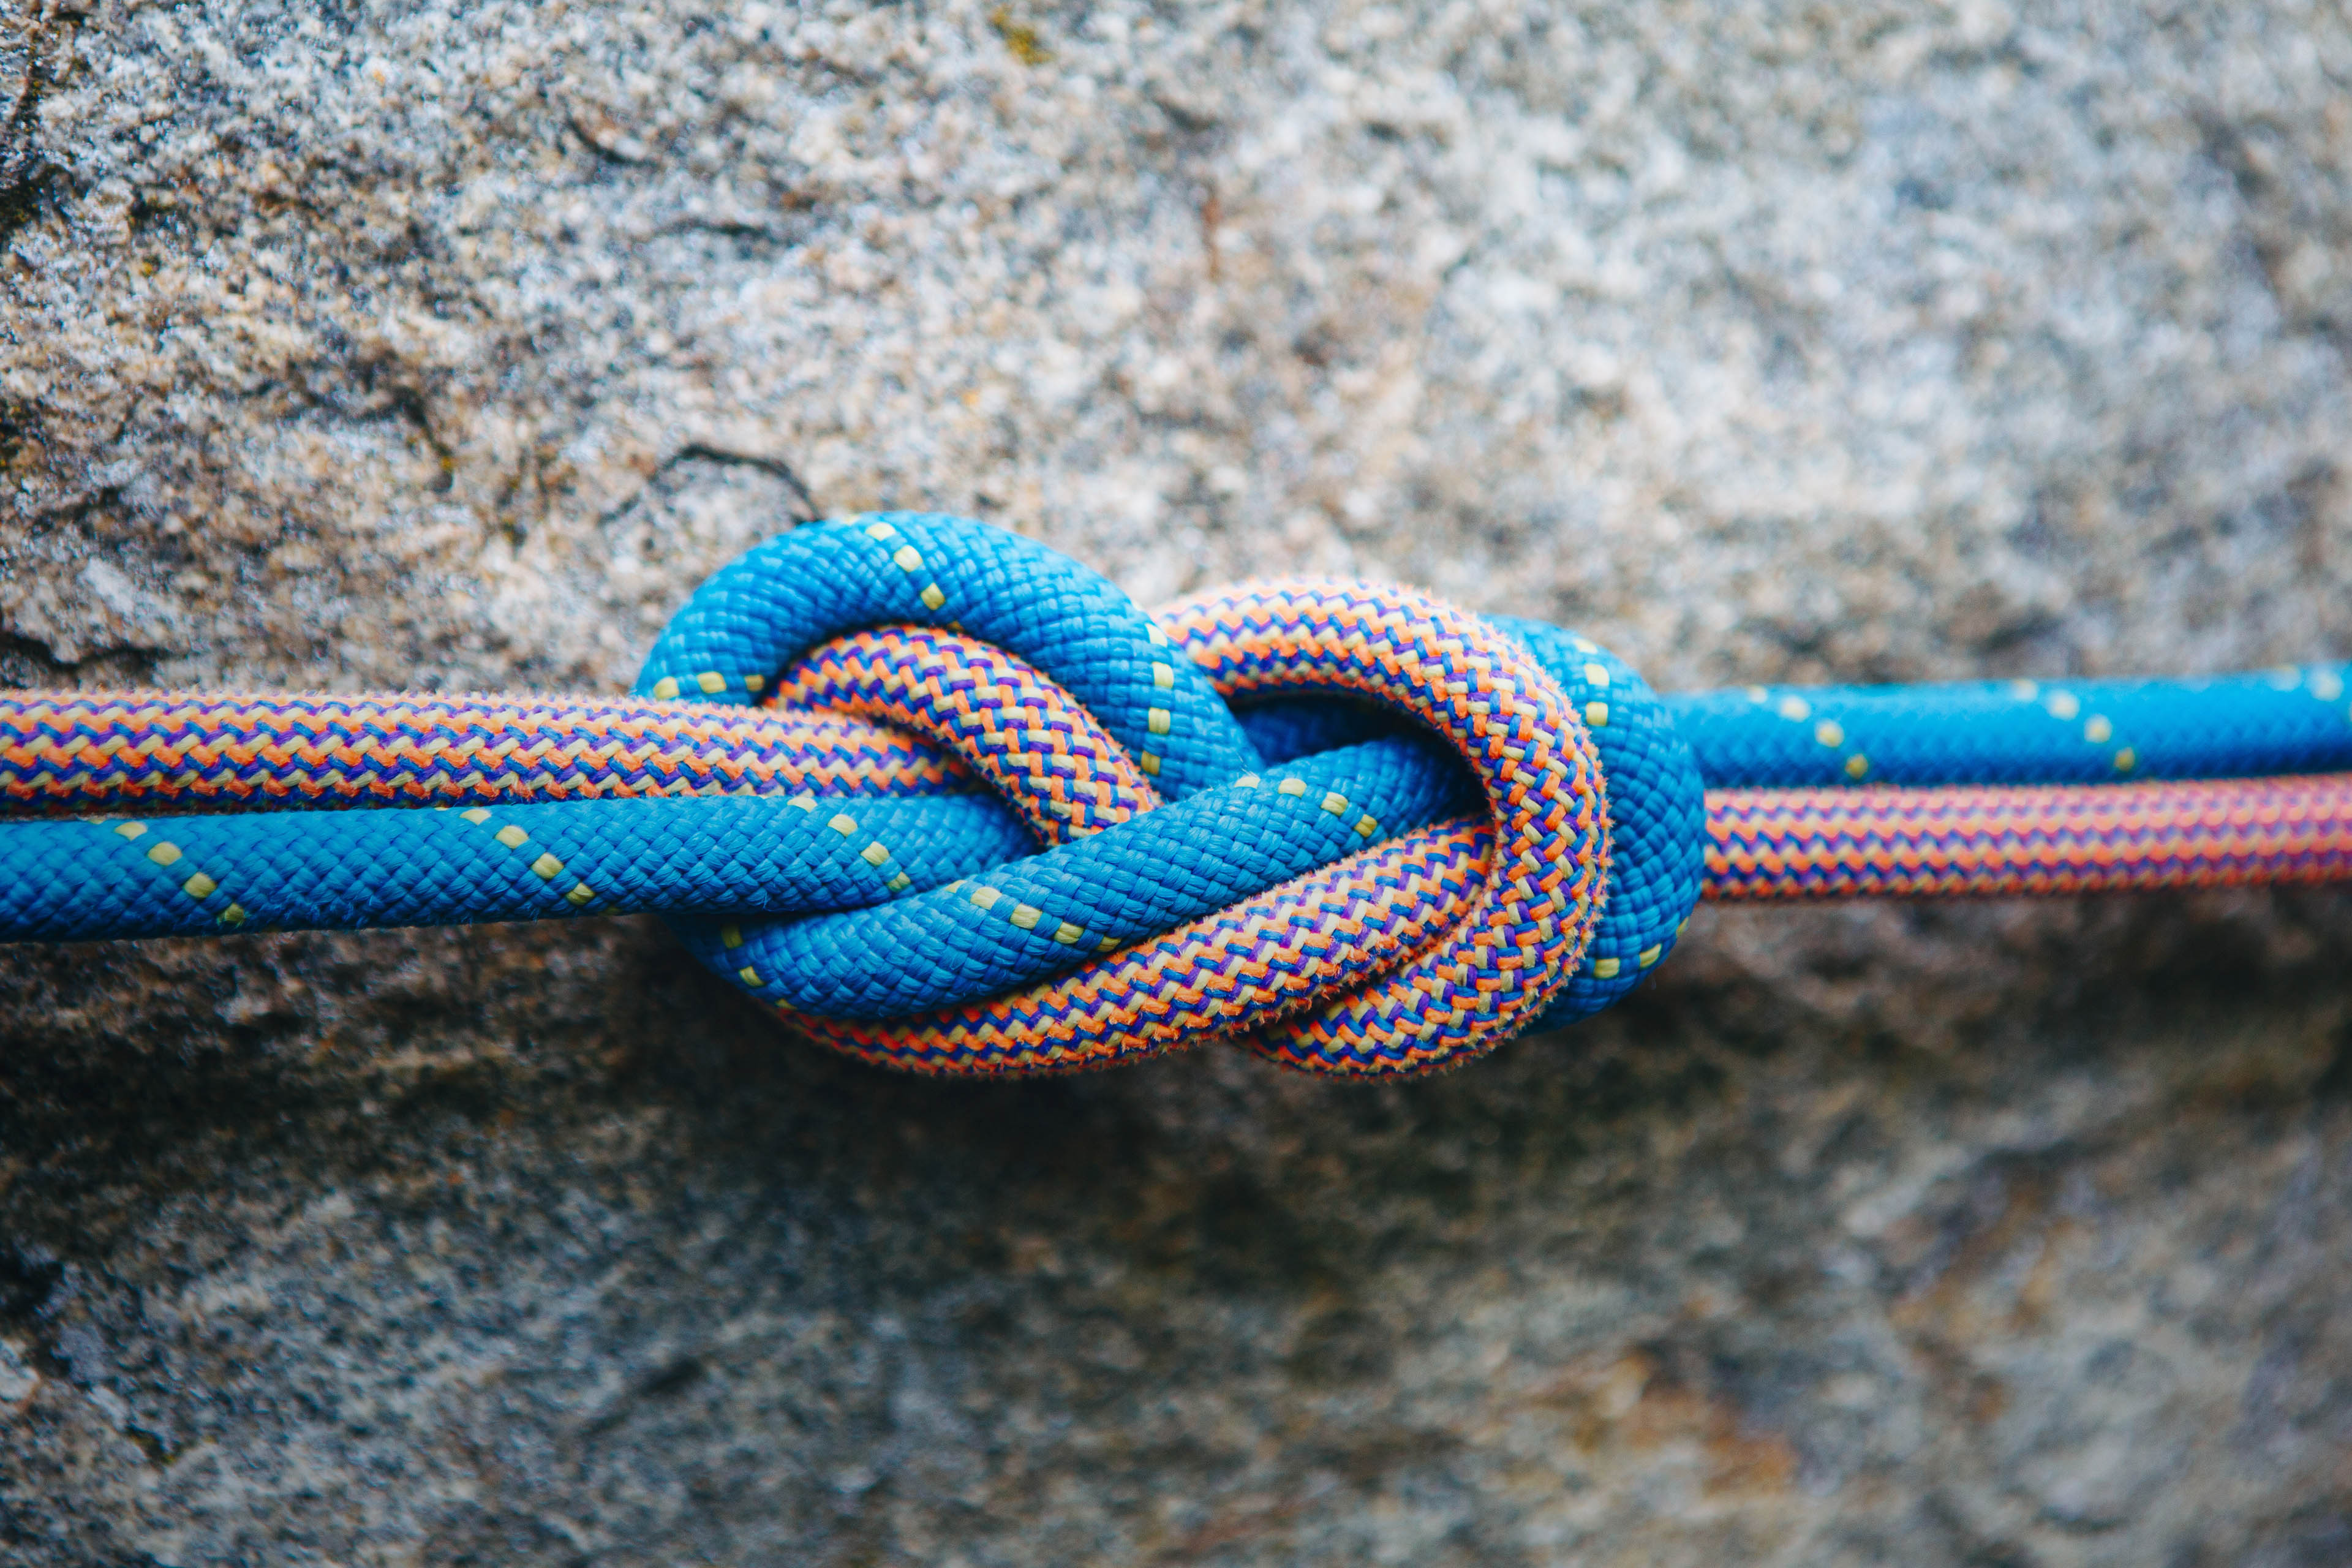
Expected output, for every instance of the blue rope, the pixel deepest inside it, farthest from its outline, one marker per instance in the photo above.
(2288, 720)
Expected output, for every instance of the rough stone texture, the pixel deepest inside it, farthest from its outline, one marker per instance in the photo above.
(376, 345)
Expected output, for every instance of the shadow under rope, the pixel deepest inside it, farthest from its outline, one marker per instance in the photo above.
(1203, 1227)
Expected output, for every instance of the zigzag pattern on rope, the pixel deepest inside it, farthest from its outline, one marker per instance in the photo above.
(1025, 737)
(68, 753)
(2045, 841)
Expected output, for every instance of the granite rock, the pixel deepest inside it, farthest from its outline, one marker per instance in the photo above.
(447, 346)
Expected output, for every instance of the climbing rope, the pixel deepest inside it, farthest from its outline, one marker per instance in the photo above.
(949, 801)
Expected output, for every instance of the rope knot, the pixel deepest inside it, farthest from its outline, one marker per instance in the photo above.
(1363, 831)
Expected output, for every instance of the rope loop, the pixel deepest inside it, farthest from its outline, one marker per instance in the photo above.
(1364, 831)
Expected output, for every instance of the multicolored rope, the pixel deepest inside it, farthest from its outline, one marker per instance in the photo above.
(2044, 841)
(952, 803)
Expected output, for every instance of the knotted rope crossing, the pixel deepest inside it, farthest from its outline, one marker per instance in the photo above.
(951, 802)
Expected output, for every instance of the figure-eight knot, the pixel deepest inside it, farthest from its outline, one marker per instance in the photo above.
(1363, 831)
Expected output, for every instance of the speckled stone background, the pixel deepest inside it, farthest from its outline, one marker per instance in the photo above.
(374, 344)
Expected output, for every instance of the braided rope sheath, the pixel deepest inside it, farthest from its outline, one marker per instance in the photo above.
(71, 751)
(1364, 832)
(1030, 741)
(2045, 841)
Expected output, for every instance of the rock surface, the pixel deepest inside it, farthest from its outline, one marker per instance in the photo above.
(449, 345)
